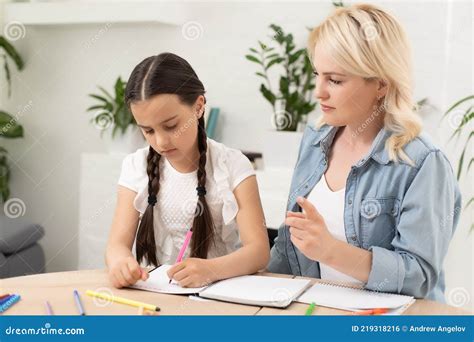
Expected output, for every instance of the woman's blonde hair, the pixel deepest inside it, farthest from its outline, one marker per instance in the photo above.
(368, 42)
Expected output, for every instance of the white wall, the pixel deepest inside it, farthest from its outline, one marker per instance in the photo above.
(65, 63)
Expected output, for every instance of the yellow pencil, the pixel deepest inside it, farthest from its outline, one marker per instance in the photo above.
(122, 300)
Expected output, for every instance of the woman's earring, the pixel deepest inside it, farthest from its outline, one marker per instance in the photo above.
(376, 106)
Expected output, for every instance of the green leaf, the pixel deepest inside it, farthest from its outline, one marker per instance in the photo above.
(7, 74)
(466, 118)
(274, 61)
(293, 98)
(422, 102)
(4, 177)
(470, 97)
(278, 35)
(272, 55)
(469, 203)
(253, 50)
(263, 46)
(119, 91)
(122, 118)
(98, 97)
(469, 165)
(9, 128)
(253, 59)
(96, 107)
(461, 159)
(261, 74)
(12, 53)
(268, 94)
(106, 93)
(284, 85)
(294, 57)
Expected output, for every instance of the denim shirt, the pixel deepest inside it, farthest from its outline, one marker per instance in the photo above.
(405, 215)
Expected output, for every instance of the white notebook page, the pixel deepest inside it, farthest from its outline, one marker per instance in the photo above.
(347, 298)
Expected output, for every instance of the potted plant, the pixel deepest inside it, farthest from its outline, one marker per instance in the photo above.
(111, 113)
(291, 100)
(9, 127)
(461, 119)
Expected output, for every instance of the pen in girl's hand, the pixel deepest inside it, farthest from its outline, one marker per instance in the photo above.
(187, 239)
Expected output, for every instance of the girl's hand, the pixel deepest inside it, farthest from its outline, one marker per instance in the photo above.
(126, 271)
(309, 232)
(192, 272)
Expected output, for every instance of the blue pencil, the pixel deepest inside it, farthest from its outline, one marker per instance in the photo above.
(13, 299)
(78, 303)
(6, 299)
(49, 309)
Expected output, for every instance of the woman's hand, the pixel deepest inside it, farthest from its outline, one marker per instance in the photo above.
(309, 232)
(192, 272)
(126, 271)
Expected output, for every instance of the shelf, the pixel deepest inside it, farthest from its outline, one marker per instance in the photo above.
(93, 12)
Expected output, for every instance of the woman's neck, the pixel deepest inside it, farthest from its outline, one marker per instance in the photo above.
(360, 134)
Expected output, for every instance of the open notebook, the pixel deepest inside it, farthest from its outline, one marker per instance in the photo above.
(252, 290)
(353, 299)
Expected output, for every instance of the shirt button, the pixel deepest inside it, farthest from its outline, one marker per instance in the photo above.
(354, 238)
(350, 202)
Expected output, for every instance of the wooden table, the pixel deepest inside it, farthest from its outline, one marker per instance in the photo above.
(57, 288)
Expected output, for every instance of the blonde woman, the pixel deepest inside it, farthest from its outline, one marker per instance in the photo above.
(373, 201)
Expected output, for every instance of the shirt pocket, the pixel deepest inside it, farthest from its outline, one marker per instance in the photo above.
(378, 217)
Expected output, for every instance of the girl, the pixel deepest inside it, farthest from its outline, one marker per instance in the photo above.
(380, 201)
(182, 180)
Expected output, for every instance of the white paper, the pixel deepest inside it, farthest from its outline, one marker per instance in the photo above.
(158, 281)
(346, 298)
(257, 290)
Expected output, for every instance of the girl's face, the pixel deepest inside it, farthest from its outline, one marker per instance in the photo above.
(345, 99)
(169, 126)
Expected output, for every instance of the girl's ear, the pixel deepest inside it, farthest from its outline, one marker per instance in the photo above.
(200, 106)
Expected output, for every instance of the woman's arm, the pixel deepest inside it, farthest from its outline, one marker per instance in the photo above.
(429, 214)
(250, 258)
(351, 260)
(310, 235)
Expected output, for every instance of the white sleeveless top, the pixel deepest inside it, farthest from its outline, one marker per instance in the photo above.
(177, 198)
(330, 205)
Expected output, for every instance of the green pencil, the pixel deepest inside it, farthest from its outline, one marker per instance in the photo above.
(310, 309)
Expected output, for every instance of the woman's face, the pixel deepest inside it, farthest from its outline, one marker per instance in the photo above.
(349, 98)
(170, 126)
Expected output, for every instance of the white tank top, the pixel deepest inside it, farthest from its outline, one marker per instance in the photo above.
(330, 205)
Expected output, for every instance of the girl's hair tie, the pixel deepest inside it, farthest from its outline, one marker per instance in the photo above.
(152, 200)
(201, 191)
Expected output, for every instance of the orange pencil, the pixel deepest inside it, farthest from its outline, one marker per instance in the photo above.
(377, 311)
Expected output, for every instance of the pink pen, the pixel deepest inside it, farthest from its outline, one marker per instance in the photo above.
(183, 247)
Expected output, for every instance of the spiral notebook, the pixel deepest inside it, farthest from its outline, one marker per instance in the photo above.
(354, 299)
(251, 290)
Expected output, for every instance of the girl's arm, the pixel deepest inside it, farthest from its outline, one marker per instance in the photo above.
(124, 270)
(255, 251)
(250, 258)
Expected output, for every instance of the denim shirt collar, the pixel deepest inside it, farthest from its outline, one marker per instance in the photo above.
(377, 151)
